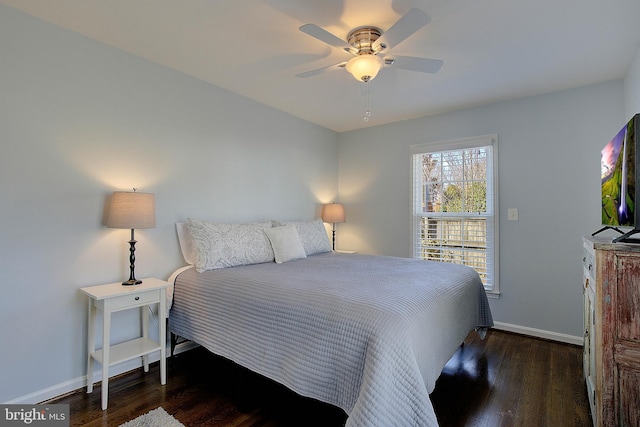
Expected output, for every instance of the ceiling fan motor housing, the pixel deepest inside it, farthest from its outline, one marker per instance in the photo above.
(363, 38)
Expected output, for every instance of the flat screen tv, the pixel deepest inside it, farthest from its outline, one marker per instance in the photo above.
(619, 170)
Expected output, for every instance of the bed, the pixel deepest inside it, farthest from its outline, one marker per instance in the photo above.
(369, 334)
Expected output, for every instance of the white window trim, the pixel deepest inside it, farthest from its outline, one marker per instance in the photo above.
(458, 144)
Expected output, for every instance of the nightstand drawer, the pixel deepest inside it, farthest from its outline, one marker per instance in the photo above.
(134, 300)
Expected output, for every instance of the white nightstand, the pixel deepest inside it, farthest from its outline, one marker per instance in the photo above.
(116, 297)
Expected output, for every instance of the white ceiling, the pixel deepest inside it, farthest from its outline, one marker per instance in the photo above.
(493, 50)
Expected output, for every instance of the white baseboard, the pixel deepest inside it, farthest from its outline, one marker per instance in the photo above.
(539, 333)
(81, 382)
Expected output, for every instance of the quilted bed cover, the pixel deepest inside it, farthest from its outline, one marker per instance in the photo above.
(369, 334)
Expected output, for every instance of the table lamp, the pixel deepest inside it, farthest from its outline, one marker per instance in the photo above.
(333, 213)
(132, 210)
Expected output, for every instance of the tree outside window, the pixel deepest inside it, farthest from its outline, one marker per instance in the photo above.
(454, 207)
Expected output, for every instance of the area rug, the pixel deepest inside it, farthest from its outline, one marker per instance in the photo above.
(156, 418)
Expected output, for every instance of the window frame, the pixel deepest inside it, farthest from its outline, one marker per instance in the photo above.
(416, 195)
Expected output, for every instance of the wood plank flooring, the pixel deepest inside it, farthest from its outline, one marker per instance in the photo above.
(504, 380)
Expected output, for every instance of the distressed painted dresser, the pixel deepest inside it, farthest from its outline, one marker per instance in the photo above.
(611, 285)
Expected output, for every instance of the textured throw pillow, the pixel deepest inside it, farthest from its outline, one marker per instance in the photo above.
(219, 245)
(285, 243)
(312, 234)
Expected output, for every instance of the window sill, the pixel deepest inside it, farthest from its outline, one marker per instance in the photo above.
(493, 294)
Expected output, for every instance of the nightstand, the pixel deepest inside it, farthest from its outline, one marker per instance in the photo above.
(116, 297)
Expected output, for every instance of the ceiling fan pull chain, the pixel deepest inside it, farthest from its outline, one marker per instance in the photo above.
(367, 113)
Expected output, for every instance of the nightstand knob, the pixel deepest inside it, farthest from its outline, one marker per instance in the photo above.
(137, 298)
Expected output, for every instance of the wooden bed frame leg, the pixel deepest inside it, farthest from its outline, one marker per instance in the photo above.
(174, 342)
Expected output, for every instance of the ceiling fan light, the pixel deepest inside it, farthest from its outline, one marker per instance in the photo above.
(365, 67)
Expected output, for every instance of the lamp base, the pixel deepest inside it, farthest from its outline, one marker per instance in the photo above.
(131, 282)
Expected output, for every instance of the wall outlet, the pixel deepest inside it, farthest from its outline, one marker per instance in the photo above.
(512, 214)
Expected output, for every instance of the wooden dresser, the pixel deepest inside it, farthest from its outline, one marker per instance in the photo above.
(611, 285)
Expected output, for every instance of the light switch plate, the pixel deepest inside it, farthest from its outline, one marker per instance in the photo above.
(512, 214)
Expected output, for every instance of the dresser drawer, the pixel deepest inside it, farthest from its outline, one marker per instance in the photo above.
(588, 263)
(131, 300)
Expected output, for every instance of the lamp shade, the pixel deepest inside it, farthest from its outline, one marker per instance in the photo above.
(132, 210)
(365, 67)
(333, 212)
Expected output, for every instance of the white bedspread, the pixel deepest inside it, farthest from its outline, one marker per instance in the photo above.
(367, 334)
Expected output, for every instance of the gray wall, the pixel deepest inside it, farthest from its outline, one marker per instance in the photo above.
(632, 87)
(79, 120)
(549, 155)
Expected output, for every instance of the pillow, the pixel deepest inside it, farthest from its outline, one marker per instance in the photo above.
(312, 234)
(228, 245)
(285, 243)
(186, 242)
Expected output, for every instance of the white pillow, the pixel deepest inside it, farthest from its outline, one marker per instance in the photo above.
(312, 234)
(186, 242)
(285, 243)
(228, 245)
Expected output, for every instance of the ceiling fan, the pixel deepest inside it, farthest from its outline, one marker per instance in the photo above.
(370, 45)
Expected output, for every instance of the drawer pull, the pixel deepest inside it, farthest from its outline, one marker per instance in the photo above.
(137, 298)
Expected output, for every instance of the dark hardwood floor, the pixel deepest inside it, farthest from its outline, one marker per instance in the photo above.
(504, 380)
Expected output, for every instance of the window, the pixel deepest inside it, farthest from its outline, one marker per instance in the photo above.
(455, 201)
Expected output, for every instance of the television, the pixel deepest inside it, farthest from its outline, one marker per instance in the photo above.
(620, 174)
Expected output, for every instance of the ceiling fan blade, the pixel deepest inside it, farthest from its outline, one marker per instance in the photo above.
(321, 70)
(423, 65)
(324, 36)
(408, 24)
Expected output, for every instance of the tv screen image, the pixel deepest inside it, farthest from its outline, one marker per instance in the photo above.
(618, 171)
(618, 181)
